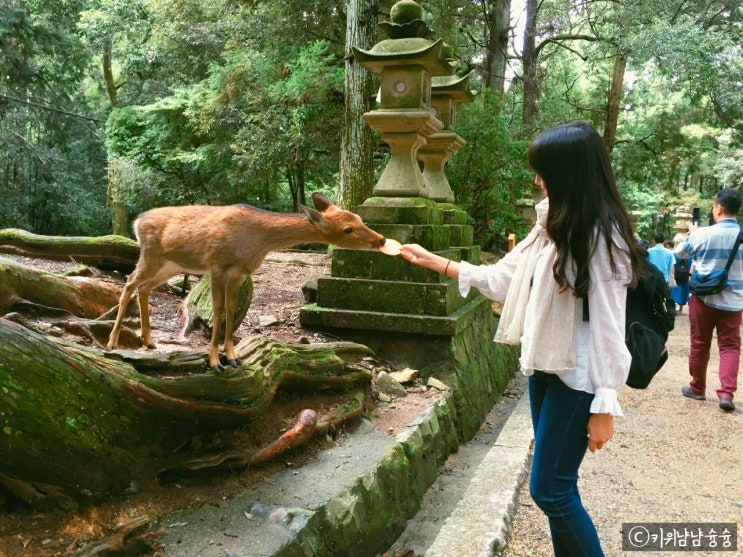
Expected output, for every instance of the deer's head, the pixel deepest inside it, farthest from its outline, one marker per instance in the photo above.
(340, 227)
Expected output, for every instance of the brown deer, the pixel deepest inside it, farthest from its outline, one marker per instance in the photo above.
(228, 243)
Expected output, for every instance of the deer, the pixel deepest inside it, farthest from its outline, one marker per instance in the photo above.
(227, 243)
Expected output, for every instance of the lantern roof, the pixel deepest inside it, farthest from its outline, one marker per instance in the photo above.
(454, 86)
(413, 51)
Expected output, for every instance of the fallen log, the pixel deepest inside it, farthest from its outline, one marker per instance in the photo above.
(112, 252)
(46, 293)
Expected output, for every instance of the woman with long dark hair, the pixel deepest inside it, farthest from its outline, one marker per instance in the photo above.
(582, 247)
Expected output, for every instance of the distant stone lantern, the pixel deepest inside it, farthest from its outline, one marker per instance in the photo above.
(682, 220)
(525, 209)
(446, 92)
(406, 63)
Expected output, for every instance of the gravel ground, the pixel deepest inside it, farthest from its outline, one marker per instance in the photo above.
(672, 459)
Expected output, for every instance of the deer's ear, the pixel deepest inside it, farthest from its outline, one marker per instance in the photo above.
(312, 215)
(320, 201)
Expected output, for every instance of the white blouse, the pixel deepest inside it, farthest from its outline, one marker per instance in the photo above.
(602, 358)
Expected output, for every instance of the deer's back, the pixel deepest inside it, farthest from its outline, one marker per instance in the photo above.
(199, 238)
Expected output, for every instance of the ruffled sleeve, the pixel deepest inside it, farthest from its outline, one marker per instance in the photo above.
(491, 280)
(608, 357)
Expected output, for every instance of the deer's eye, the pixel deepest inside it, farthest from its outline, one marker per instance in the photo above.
(347, 230)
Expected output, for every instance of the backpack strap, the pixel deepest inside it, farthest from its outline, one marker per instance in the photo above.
(585, 308)
(733, 253)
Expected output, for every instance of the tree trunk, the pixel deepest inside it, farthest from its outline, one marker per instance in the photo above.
(116, 197)
(613, 101)
(108, 75)
(499, 23)
(530, 113)
(358, 139)
(113, 427)
(112, 252)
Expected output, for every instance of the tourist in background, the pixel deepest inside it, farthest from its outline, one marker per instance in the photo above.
(662, 257)
(681, 272)
(710, 246)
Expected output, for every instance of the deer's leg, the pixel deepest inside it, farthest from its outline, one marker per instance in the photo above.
(143, 297)
(218, 290)
(230, 301)
(126, 295)
(146, 282)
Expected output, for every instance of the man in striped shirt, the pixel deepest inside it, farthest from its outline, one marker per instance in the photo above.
(710, 247)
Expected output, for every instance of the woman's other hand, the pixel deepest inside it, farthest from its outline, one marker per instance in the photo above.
(600, 430)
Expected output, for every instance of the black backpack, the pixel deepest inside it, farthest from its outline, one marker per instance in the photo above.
(681, 270)
(650, 316)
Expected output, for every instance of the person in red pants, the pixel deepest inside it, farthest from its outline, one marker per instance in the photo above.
(710, 247)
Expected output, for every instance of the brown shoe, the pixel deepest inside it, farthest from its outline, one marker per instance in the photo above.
(686, 391)
(726, 404)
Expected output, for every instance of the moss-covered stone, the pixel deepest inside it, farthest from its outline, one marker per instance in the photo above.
(372, 513)
(406, 11)
(401, 297)
(470, 254)
(397, 210)
(453, 214)
(460, 235)
(369, 264)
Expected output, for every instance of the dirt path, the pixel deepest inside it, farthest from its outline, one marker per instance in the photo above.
(672, 459)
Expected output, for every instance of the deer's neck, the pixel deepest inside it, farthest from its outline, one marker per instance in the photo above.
(281, 230)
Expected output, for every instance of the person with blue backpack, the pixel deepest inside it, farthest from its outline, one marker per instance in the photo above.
(582, 246)
(681, 274)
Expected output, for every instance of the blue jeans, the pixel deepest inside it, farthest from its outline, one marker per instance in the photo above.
(560, 420)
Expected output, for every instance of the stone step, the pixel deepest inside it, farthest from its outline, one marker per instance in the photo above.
(419, 299)
(328, 318)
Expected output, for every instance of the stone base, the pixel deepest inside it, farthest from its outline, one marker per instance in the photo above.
(457, 349)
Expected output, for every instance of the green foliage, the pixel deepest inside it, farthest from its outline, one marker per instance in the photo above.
(229, 101)
(681, 112)
(490, 172)
(52, 180)
(233, 136)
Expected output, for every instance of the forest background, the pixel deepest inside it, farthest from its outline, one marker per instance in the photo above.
(110, 107)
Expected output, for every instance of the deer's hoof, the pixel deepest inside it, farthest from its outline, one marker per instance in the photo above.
(217, 369)
(152, 346)
(234, 362)
(110, 347)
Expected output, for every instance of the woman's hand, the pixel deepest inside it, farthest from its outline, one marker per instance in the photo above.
(415, 253)
(419, 255)
(600, 430)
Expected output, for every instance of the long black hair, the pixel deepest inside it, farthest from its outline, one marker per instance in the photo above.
(573, 161)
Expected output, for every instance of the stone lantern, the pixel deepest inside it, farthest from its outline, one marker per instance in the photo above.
(446, 92)
(682, 220)
(406, 63)
(525, 209)
(403, 312)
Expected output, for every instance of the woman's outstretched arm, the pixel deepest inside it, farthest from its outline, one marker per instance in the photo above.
(421, 256)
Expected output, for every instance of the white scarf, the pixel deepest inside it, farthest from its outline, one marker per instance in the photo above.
(535, 314)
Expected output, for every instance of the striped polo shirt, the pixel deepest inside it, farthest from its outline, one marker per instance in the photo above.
(710, 247)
